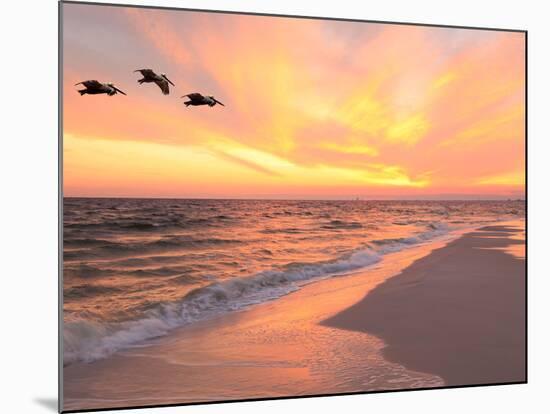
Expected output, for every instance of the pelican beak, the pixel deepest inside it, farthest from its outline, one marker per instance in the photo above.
(118, 90)
(169, 81)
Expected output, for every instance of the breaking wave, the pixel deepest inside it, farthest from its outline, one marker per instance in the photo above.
(86, 340)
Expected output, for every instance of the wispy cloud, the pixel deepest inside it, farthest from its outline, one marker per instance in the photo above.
(247, 163)
(309, 103)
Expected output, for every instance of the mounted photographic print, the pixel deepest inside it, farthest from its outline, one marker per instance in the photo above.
(262, 206)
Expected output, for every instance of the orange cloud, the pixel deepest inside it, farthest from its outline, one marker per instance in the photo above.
(310, 104)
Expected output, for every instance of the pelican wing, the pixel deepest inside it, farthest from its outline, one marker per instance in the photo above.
(118, 90)
(194, 96)
(215, 100)
(147, 73)
(163, 85)
(91, 84)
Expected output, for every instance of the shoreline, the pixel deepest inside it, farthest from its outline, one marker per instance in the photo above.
(458, 313)
(279, 283)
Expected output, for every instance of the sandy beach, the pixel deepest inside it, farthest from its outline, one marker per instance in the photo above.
(452, 315)
(458, 313)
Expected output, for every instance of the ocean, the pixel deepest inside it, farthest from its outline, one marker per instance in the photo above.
(136, 269)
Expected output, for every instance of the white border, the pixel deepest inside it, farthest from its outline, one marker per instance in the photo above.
(29, 203)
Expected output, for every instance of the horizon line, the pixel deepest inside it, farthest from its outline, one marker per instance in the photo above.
(298, 199)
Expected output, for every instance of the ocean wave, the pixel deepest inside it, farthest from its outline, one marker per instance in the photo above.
(289, 230)
(342, 225)
(85, 271)
(86, 340)
(389, 245)
(153, 221)
(163, 244)
(87, 242)
(81, 291)
(92, 272)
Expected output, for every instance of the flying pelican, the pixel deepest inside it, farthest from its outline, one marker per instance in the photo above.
(94, 87)
(196, 99)
(161, 80)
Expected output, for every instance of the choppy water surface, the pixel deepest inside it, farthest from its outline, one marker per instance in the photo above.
(135, 269)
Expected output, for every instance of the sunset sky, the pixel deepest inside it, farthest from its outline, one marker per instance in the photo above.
(314, 109)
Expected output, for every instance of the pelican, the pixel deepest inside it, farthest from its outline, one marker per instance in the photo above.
(161, 80)
(94, 87)
(196, 99)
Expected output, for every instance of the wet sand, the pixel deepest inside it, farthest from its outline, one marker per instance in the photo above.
(458, 313)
